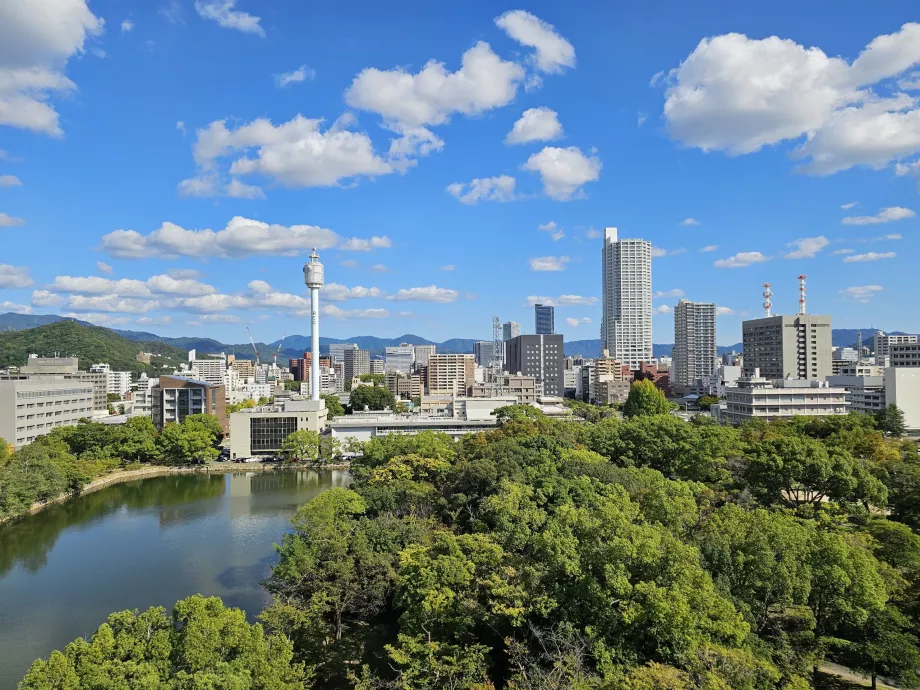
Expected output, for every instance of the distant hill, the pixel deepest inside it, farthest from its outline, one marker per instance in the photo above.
(11, 321)
(91, 344)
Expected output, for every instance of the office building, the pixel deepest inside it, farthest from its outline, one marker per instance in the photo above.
(695, 352)
(212, 370)
(32, 406)
(405, 386)
(905, 354)
(68, 369)
(626, 315)
(450, 374)
(544, 319)
(357, 362)
(337, 350)
(788, 347)
(244, 367)
(902, 388)
(400, 359)
(142, 396)
(482, 353)
(117, 382)
(422, 353)
(883, 342)
(864, 385)
(757, 397)
(378, 366)
(176, 397)
(540, 356)
(522, 388)
(609, 392)
(260, 431)
(510, 329)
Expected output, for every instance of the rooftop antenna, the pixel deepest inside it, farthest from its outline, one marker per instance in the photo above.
(254, 348)
(280, 345)
(767, 300)
(498, 347)
(859, 346)
(802, 295)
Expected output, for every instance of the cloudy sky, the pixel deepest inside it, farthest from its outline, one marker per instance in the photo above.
(166, 165)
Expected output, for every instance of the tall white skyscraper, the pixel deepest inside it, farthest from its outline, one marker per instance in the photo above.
(694, 343)
(626, 325)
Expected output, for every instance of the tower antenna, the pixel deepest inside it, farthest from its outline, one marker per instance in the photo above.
(802, 295)
(767, 300)
(498, 351)
(313, 276)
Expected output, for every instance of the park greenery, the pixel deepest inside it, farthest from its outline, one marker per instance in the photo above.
(372, 397)
(70, 457)
(635, 553)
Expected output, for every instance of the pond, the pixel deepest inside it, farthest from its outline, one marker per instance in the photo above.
(138, 544)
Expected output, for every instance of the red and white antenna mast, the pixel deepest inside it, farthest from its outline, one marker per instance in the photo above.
(802, 295)
(767, 300)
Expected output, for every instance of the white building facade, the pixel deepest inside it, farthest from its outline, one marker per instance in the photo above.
(695, 353)
(626, 281)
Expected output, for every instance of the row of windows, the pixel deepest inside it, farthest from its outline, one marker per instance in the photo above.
(28, 395)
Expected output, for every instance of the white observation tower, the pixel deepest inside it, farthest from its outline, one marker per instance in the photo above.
(313, 277)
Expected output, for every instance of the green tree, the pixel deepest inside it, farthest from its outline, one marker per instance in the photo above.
(302, 445)
(333, 405)
(208, 423)
(202, 645)
(371, 397)
(185, 444)
(137, 440)
(707, 401)
(376, 379)
(885, 646)
(890, 421)
(645, 399)
(293, 386)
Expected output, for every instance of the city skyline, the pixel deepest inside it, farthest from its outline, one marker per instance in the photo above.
(178, 164)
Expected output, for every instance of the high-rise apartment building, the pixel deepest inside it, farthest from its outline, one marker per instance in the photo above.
(510, 329)
(450, 374)
(544, 319)
(695, 353)
(400, 359)
(788, 347)
(540, 356)
(626, 281)
(337, 350)
(378, 366)
(356, 362)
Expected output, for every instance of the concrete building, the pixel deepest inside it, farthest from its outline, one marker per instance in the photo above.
(626, 282)
(378, 366)
(356, 362)
(883, 342)
(756, 397)
(610, 392)
(722, 377)
(423, 353)
(363, 426)
(788, 347)
(540, 356)
(400, 359)
(117, 382)
(864, 385)
(405, 386)
(544, 319)
(337, 350)
(244, 367)
(68, 369)
(906, 354)
(143, 395)
(214, 371)
(510, 329)
(522, 388)
(262, 430)
(176, 397)
(902, 388)
(482, 353)
(695, 352)
(32, 406)
(450, 374)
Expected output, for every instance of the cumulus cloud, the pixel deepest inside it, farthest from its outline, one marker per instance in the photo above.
(126, 26)
(219, 318)
(14, 276)
(690, 221)
(103, 267)
(675, 293)
(575, 323)
(431, 293)
(499, 188)
(862, 293)
(298, 75)
(709, 248)
(868, 256)
(241, 190)
(886, 215)
(36, 41)
(593, 234)
(554, 230)
(153, 320)
(6, 306)
(840, 252)
(552, 52)
(724, 311)
(356, 244)
(741, 260)
(336, 292)
(10, 181)
(156, 285)
(549, 263)
(807, 247)
(738, 94)
(110, 304)
(10, 221)
(664, 309)
(536, 124)
(562, 301)
(226, 15)
(46, 298)
(337, 313)
(184, 273)
(100, 319)
(564, 171)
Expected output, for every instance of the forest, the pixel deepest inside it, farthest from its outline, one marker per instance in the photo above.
(644, 553)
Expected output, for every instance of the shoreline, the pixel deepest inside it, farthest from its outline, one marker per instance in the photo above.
(120, 476)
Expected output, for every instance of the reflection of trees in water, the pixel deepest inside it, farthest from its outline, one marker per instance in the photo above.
(29, 540)
(286, 480)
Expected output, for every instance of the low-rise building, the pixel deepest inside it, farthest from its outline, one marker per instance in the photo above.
(405, 387)
(902, 388)
(262, 430)
(524, 389)
(756, 397)
(611, 392)
(176, 397)
(32, 406)
(904, 354)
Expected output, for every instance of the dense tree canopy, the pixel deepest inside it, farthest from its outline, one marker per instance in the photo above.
(371, 397)
(645, 399)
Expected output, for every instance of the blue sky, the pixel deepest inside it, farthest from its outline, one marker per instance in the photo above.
(167, 164)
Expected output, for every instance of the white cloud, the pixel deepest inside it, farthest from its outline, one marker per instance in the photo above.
(839, 252)
(6, 306)
(103, 267)
(430, 97)
(379, 268)
(226, 15)
(575, 323)
(126, 26)
(675, 293)
(153, 320)
(37, 39)
(553, 52)
(110, 304)
(709, 248)
(563, 171)
(184, 273)
(448, 267)
(554, 230)
(911, 82)
(690, 221)
(431, 293)
(405, 314)
(336, 313)
(549, 263)
(169, 285)
(241, 190)
(300, 74)
(536, 124)
(156, 285)
(10, 221)
(725, 311)
(807, 247)
(593, 234)
(10, 181)
(664, 309)
(640, 119)
(172, 12)
(737, 94)
(337, 293)
(14, 276)
(412, 143)
(869, 256)
(349, 263)
(210, 304)
(886, 215)
(741, 260)
(893, 236)
(562, 301)
(499, 188)
(219, 318)
(100, 319)
(45, 298)
(204, 186)
(862, 294)
(658, 252)
(180, 125)
(241, 238)
(847, 207)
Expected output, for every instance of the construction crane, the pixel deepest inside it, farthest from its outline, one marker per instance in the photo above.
(280, 344)
(254, 348)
